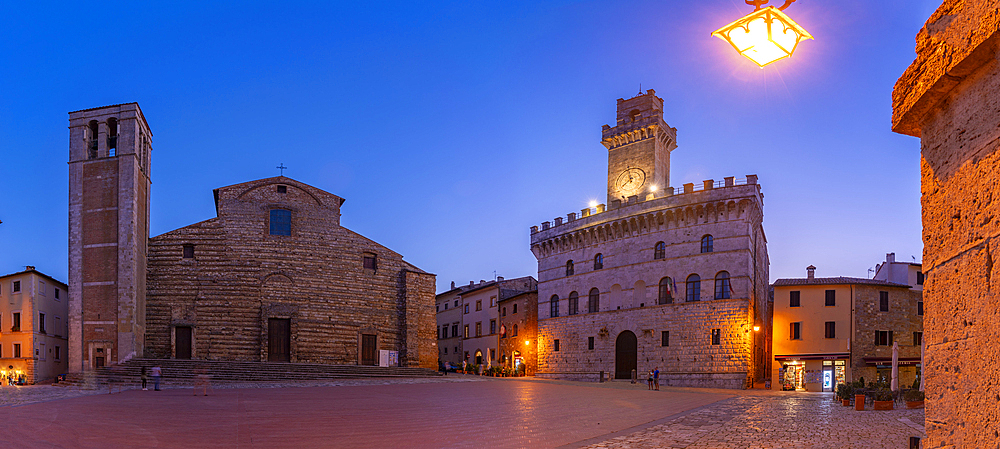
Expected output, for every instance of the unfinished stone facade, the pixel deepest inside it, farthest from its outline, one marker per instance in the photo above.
(250, 285)
(109, 155)
(950, 98)
(663, 279)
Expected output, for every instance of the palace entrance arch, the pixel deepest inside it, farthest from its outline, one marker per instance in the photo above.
(626, 355)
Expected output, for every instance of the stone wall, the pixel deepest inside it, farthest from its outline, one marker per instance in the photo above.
(240, 276)
(690, 360)
(902, 319)
(950, 98)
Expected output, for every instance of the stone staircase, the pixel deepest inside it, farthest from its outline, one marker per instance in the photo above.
(184, 371)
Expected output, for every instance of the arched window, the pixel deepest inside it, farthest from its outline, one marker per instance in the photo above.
(599, 261)
(92, 140)
(574, 303)
(569, 267)
(112, 135)
(514, 332)
(660, 250)
(722, 288)
(706, 243)
(666, 291)
(281, 222)
(693, 288)
(554, 306)
(594, 302)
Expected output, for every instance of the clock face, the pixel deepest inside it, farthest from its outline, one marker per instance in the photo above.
(631, 180)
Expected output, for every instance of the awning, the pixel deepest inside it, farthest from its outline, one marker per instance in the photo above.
(826, 356)
(873, 361)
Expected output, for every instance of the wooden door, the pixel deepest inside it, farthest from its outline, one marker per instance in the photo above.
(279, 338)
(626, 355)
(182, 342)
(369, 350)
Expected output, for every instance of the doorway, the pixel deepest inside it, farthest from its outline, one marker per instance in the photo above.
(626, 355)
(828, 378)
(182, 342)
(369, 349)
(279, 338)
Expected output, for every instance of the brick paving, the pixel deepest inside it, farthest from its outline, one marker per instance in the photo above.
(453, 411)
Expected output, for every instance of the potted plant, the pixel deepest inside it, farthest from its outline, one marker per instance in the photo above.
(883, 399)
(844, 393)
(914, 399)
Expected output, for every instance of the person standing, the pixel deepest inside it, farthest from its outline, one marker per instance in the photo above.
(156, 377)
(656, 378)
(649, 380)
(142, 376)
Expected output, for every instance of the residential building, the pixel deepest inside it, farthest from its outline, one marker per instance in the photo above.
(674, 279)
(33, 327)
(449, 322)
(481, 320)
(519, 332)
(839, 329)
(906, 273)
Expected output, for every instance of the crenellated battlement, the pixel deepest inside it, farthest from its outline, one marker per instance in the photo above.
(727, 197)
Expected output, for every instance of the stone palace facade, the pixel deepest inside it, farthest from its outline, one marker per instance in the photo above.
(659, 278)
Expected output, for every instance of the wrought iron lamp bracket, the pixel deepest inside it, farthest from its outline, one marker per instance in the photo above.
(759, 4)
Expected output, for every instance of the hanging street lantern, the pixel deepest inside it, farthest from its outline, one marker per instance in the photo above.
(765, 35)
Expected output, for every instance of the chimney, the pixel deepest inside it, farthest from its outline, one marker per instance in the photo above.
(29, 268)
(452, 285)
(890, 257)
(471, 283)
(482, 281)
(499, 278)
(811, 272)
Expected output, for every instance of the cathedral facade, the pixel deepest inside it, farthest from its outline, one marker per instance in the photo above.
(657, 278)
(272, 277)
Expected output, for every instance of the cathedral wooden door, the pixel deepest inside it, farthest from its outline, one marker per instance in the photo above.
(369, 351)
(182, 342)
(279, 338)
(626, 355)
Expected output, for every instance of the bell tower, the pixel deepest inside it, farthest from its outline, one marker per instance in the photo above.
(639, 147)
(109, 156)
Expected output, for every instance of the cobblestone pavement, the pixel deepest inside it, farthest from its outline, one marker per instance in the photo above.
(790, 420)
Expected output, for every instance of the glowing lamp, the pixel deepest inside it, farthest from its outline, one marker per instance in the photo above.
(592, 204)
(653, 188)
(526, 342)
(756, 328)
(765, 35)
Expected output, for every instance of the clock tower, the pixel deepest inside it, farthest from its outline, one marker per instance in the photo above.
(639, 147)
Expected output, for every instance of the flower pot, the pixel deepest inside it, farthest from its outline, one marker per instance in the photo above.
(846, 402)
(883, 405)
(859, 402)
(914, 404)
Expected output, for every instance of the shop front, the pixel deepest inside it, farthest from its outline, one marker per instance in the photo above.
(811, 372)
(879, 369)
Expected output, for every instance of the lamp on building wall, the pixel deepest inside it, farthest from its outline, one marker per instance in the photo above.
(765, 35)
(756, 328)
(526, 342)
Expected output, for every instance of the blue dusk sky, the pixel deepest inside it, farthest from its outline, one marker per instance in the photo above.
(452, 127)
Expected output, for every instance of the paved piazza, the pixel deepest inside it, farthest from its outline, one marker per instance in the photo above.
(457, 411)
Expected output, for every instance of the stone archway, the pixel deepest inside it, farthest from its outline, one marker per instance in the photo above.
(626, 355)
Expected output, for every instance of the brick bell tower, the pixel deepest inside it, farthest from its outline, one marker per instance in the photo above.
(639, 147)
(109, 156)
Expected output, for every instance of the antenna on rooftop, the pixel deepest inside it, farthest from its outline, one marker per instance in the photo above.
(870, 270)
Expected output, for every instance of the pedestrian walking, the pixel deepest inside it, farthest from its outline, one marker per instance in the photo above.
(157, 373)
(656, 378)
(142, 376)
(649, 379)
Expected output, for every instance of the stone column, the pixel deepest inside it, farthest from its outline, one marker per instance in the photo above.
(950, 98)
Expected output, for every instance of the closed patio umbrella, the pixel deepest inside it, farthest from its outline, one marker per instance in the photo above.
(894, 385)
(922, 346)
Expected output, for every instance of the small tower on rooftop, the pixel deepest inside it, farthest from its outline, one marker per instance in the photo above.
(639, 147)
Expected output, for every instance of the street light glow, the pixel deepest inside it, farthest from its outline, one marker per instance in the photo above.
(764, 36)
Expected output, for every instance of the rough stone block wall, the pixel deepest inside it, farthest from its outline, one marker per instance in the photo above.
(241, 276)
(689, 360)
(949, 98)
(902, 319)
